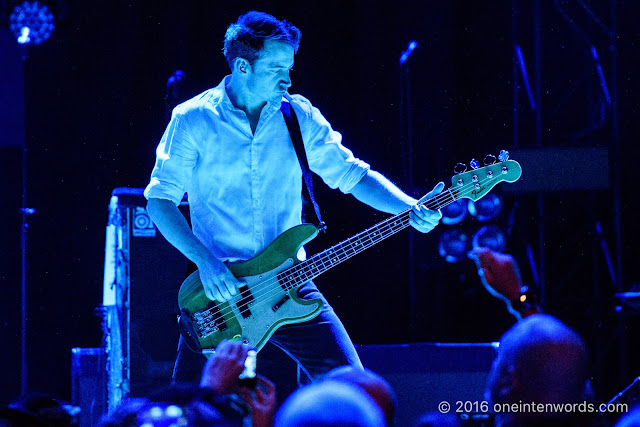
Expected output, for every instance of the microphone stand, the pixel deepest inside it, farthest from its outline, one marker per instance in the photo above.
(25, 212)
(172, 95)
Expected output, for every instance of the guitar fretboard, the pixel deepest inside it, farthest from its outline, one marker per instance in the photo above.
(340, 252)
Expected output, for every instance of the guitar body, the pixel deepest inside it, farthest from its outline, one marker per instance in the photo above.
(262, 306)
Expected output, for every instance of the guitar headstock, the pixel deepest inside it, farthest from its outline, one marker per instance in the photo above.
(476, 183)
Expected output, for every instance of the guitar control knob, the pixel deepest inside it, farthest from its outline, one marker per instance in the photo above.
(503, 156)
(474, 164)
(460, 168)
(489, 159)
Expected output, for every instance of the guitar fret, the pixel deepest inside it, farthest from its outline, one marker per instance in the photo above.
(342, 251)
(321, 262)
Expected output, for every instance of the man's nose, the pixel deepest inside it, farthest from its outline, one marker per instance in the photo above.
(286, 79)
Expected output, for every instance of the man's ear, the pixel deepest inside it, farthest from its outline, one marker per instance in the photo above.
(241, 65)
(503, 383)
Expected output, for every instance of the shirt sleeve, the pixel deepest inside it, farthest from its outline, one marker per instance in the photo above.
(176, 156)
(332, 161)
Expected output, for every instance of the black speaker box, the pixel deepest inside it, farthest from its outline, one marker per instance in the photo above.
(425, 374)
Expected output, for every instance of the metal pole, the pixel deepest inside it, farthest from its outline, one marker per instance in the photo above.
(537, 54)
(24, 371)
(407, 132)
(24, 247)
(617, 183)
(514, 72)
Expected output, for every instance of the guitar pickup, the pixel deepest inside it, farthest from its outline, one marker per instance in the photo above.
(246, 298)
(279, 303)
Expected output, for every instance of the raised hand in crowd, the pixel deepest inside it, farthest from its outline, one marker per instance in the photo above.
(222, 370)
(221, 374)
(501, 278)
(262, 400)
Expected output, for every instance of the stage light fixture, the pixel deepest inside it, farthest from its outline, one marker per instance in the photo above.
(31, 22)
(454, 212)
(487, 208)
(490, 236)
(454, 245)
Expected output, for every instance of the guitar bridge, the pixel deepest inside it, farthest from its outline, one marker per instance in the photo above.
(208, 321)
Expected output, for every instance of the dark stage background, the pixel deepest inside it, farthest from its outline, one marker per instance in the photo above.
(94, 109)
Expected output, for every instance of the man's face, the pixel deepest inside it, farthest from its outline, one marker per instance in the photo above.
(268, 77)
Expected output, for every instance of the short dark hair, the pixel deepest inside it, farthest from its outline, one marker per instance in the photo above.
(245, 38)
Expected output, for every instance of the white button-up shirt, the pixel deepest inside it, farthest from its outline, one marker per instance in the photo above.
(245, 189)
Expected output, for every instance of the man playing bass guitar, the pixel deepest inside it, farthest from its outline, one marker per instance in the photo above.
(229, 148)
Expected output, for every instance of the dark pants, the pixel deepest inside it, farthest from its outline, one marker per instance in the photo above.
(317, 346)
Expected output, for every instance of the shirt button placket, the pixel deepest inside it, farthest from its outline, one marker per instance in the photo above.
(257, 217)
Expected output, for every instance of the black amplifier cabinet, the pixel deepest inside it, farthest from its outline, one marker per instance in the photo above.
(142, 276)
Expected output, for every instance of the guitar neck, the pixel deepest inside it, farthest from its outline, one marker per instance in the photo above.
(340, 252)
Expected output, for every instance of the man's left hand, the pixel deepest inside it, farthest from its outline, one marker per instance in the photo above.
(422, 219)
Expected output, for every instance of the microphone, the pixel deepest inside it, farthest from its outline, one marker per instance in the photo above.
(407, 53)
(172, 92)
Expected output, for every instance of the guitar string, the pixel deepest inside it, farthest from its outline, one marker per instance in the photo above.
(290, 273)
(265, 289)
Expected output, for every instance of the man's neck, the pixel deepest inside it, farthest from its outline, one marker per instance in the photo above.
(242, 99)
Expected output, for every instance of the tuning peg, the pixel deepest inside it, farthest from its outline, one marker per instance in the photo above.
(503, 156)
(460, 168)
(489, 159)
(474, 164)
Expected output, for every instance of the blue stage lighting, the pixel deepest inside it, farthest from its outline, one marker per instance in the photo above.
(486, 208)
(32, 22)
(454, 245)
(454, 212)
(490, 236)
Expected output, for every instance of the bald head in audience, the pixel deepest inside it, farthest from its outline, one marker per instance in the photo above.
(540, 360)
(373, 384)
(329, 403)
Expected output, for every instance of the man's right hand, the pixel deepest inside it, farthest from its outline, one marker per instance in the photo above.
(218, 281)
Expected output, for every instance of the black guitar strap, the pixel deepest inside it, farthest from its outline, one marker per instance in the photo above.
(293, 125)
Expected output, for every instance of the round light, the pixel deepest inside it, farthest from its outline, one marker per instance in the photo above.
(454, 245)
(490, 236)
(454, 212)
(31, 22)
(487, 208)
